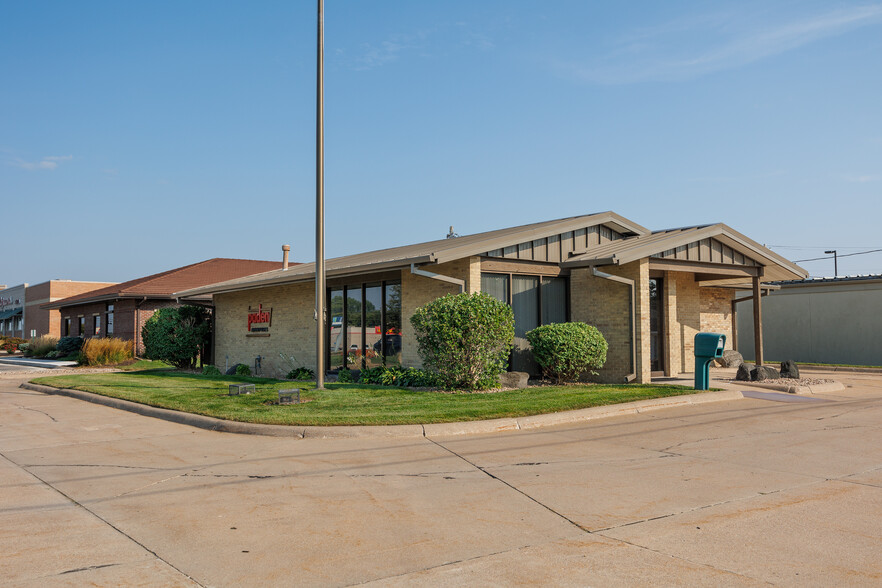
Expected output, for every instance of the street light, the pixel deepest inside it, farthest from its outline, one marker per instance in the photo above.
(835, 262)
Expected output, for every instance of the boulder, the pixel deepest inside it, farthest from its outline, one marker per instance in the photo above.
(764, 372)
(732, 359)
(744, 372)
(514, 379)
(232, 370)
(789, 369)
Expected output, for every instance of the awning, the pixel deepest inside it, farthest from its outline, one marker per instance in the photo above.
(10, 313)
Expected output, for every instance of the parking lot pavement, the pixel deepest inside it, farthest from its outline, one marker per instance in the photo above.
(755, 491)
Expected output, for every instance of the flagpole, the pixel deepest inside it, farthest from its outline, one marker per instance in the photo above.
(320, 205)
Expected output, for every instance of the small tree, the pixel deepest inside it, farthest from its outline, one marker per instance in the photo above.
(565, 351)
(177, 335)
(466, 338)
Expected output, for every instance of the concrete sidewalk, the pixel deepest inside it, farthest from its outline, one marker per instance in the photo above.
(773, 489)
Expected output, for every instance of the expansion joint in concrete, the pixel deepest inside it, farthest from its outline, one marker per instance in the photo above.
(105, 521)
(516, 489)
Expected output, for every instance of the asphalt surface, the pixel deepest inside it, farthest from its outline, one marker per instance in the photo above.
(771, 489)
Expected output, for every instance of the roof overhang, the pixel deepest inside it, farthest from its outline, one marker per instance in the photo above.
(628, 250)
(64, 303)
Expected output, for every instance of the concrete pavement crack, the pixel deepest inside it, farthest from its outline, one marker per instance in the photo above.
(54, 420)
(105, 521)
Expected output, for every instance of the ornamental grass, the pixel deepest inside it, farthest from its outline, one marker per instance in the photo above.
(106, 351)
(40, 346)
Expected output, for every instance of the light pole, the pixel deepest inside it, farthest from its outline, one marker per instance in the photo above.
(320, 205)
(835, 262)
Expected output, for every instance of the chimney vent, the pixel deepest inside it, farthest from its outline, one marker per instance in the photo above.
(285, 250)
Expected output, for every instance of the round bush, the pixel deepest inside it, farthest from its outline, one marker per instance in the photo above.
(465, 338)
(565, 351)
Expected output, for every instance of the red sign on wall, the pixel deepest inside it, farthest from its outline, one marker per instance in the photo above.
(260, 320)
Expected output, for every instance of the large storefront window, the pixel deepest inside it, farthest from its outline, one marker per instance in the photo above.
(535, 301)
(365, 331)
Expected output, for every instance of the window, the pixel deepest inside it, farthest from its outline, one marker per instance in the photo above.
(364, 328)
(534, 300)
(82, 326)
(96, 325)
(109, 321)
(65, 330)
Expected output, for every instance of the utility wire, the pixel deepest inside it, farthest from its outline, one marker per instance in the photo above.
(843, 255)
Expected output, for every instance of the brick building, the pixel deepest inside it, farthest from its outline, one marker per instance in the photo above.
(120, 310)
(648, 292)
(21, 312)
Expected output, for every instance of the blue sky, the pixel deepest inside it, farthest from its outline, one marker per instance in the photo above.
(139, 137)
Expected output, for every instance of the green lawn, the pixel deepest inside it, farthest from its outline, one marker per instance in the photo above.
(345, 404)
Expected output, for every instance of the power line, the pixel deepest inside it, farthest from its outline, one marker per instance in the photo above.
(843, 255)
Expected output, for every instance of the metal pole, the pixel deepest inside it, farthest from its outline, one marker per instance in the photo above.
(320, 205)
(835, 262)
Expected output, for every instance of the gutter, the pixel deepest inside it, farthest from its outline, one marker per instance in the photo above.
(599, 274)
(425, 274)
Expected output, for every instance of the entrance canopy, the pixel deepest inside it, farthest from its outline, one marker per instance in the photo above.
(717, 254)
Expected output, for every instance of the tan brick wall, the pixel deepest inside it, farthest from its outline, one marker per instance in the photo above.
(690, 310)
(292, 333)
(683, 323)
(716, 312)
(418, 290)
(605, 304)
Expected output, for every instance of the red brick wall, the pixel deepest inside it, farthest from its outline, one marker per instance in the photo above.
(48, 322)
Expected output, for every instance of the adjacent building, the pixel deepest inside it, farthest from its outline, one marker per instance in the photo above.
(647, 291)
(21, 312)
(120, 310)
(818, 320)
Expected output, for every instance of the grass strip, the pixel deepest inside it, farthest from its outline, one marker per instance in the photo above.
(345, 404)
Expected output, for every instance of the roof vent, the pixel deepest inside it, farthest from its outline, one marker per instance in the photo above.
(451, 234)
(285, 250)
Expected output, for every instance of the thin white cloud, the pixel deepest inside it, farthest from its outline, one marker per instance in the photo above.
(423, 43)
(49, 162)
(862, 179)
(690, 47)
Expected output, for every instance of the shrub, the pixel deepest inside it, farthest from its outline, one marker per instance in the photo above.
(344, 376)
(11, 344)
(417, 378)
(68, 346)
(466, 338)
(210, 370)
(565, 351)
(301, 373)
(177, 335)
(41, 346)
(105, 351)
(380, 375)
(243, 370)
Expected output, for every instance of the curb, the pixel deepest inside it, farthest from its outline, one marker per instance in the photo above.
(393, 431)
(855, 370)
(803, 390)
(39, 363)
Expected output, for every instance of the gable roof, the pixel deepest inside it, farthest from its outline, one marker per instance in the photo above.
(164, 284)
(438, 251)
(657, 243)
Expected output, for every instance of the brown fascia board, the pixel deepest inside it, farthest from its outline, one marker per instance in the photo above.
(745, 241)
(306, 272)
(279, 278)
(621, 224)
(59, 304)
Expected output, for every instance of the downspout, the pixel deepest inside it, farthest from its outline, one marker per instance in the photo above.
(425, 274)
(633, 375)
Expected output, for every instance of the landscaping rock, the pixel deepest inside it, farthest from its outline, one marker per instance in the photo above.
(514, 379)
(789, 369)
(744, 372)
(731, 359)
(232, 370)
(764, 372)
